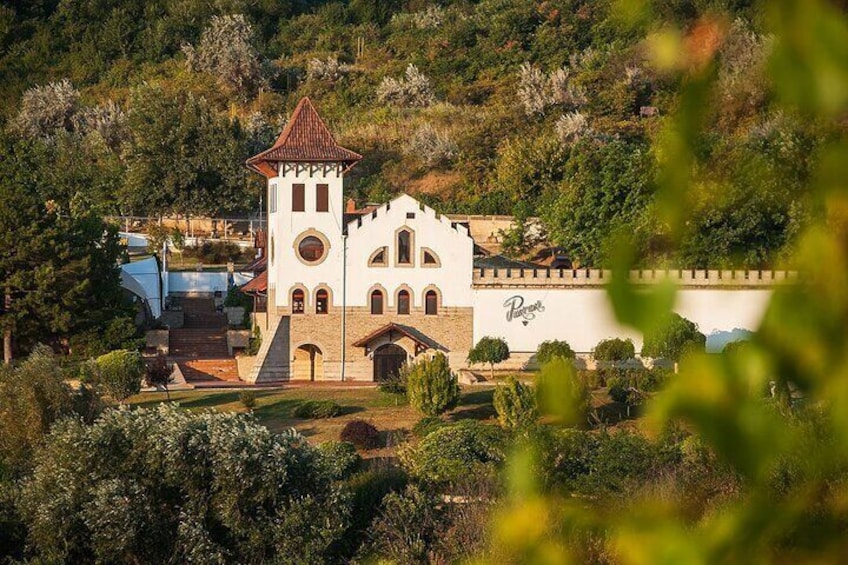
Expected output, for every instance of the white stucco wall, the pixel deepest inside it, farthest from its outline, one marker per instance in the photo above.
(583, 317)
(452, 245)
(191, 282)
(285, 226)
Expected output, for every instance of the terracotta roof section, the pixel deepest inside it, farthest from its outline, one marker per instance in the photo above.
(257, 266)
(305, 139)
(422, 343)
(257, 285)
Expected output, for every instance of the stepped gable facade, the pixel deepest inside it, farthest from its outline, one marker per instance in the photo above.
(354, 294)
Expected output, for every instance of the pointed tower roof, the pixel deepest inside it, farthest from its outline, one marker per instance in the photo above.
(305, 139)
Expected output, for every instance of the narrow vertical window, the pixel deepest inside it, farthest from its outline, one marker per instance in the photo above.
(298, 198)
(322, 198)
(404, 244)
(322, 300)
(272, 198)
(297, 304)
(376, 302)
(403, 302)
(431, 303)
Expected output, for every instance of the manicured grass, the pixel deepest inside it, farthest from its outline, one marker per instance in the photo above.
(389, 413)
(275, 408)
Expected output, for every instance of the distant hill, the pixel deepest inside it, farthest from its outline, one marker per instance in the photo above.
(547, 109)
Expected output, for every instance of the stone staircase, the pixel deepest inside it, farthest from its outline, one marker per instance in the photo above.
(200, 347)
(272, 360)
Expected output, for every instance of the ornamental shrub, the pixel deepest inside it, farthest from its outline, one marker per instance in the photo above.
(455, 451)
(312, 409)
(431, 386)
(340, 459)
(117, 374)
(553, 348)
(671, 341)
(361, 434)
(516, 404)
(489, 350)
(614, 349)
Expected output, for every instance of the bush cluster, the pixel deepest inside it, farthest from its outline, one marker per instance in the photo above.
(215, 252)
(362, 434)
(455, 451)
(314, 409)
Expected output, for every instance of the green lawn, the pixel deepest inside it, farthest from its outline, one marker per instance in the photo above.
(274, 408)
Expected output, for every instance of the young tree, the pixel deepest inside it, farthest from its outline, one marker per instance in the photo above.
(614, 349)
(431, 386)
(159, 375)
(550, 349)
(673, 339)
(489, 350)
(515, 403)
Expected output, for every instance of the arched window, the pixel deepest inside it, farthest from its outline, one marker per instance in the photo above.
(404, 247)
(377, 302)
(322, 300)
(403, 302)
(297, 301)
(431, 303)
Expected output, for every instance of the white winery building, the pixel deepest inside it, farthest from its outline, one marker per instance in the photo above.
(352, 294)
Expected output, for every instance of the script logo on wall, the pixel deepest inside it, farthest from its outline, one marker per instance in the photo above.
(516, 310)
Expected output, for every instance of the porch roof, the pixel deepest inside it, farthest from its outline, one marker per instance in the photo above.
(421, 341)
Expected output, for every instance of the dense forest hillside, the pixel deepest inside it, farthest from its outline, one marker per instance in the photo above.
(533, 108)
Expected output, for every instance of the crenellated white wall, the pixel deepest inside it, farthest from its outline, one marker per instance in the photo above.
(451, 244)
(584, 316)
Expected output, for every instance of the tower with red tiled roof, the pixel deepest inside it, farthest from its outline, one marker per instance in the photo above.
(305, 169)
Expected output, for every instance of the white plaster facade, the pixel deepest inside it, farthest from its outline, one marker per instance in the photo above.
(339, 339)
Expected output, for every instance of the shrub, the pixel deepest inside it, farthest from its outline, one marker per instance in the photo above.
(329, 71)
(312, 409)
(340, 458)
(254, 342)
(431, 386)
(673, 339)
(117, 374)
(553, 348)
(614, 349)
(47, 110)
(214, 252)
(489, 350)
(427, 425)
(248, 399)
(515, 403)
(432, 147)
(572, 127)
(236, 297)
(412, 91)
(361, 434)
(396, 382)
(562, 393)
(407, 526)
(618, 390)
(454, 451)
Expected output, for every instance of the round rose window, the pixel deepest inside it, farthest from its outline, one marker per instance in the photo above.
(311, 249)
